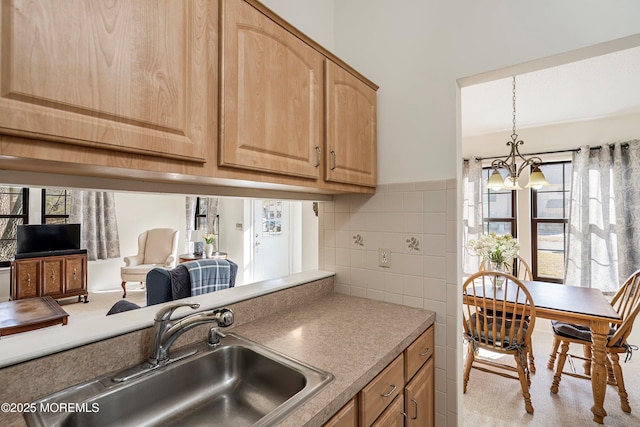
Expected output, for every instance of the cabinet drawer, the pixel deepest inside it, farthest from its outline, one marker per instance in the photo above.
(381, 391)
(418, 353)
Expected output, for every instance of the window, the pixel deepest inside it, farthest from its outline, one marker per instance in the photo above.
(549, 219)
(499, 207)
(14, 210)
(201, 213)
(271, 217)
(56, 205)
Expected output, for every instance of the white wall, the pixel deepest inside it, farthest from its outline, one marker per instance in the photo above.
(312, 17)
(416, 50)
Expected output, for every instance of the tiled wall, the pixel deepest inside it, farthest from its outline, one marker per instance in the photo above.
(417, 223)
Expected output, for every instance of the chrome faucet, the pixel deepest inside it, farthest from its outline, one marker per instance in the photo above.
(165, 332)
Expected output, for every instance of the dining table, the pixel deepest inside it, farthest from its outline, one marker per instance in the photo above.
(583, 306)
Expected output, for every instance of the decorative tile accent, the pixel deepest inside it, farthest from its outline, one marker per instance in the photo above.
(413, 244)
(358, 240)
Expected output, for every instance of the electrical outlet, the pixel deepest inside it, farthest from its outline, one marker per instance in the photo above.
(384, 257)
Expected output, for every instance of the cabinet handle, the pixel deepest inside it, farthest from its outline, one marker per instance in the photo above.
(333, 154)
(415, 402)
(75, 274)
(53, 276)
(318, 155)
(28, 279)
(426, 351)
(393, 388)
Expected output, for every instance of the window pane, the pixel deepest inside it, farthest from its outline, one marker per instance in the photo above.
(13, 209)
(551, 204)
(551, 244)
(500, 205)
(11, 202)
(56, 205)
(500, 228)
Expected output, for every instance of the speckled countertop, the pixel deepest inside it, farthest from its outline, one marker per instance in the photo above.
(353, 338)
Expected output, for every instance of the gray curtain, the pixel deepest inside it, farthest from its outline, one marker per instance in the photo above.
(603, 246)
(472, 225)
(96, 212)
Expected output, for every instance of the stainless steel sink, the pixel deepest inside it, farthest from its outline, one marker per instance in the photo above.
(239, 383)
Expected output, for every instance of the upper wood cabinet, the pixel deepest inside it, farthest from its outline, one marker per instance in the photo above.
(351, 142)
(125, 75)
(271, 95)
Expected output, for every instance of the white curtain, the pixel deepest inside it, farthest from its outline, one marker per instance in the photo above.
(603, 246)
(471, 212)
(96, 212)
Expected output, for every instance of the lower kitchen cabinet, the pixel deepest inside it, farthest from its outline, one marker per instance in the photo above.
(393, 416)
(419, 398)
(401, 395)
(346, 417)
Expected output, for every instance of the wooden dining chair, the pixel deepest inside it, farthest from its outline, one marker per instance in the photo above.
(627, 303)
(521, 270)
(493, 320)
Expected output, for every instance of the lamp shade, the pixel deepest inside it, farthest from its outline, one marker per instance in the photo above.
(495, 181)
(537, 179)
(511, 183)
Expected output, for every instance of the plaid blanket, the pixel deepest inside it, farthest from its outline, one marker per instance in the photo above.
(208, 275)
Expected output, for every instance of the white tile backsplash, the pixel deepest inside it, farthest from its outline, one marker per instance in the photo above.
(424, 278)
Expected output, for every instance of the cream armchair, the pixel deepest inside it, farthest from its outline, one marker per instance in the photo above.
(156, 248)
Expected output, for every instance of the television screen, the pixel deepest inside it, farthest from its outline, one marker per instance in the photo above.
(47, 237)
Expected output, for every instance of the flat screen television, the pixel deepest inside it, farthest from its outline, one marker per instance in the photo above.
(38, 238)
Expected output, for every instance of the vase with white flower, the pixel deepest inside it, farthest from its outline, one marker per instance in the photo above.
(208, 244)
(499, 250)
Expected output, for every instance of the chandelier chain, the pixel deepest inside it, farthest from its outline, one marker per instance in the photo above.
(514, 108)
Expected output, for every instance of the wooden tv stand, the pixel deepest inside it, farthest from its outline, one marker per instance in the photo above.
(57, 276)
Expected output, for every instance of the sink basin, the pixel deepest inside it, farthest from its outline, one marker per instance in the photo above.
(240, 383)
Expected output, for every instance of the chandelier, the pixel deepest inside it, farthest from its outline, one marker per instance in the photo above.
(536, 179)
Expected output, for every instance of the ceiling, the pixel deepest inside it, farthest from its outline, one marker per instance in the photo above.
(598, 87)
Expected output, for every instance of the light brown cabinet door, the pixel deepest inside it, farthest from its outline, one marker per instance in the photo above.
(26, 280)
(76, 273)
(126, 75)
(351, 146)
(52, 280)
(393, 416)
(271, 96)
(419, 398)
(346, 417)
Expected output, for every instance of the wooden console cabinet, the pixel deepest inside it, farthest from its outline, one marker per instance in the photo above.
(59, 276)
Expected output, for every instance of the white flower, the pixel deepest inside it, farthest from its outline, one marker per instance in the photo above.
(496, 248)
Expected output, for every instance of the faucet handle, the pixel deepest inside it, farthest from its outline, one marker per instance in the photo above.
(165, 313)
(225, 317)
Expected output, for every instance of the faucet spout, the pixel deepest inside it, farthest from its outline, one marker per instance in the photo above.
(167, 332)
